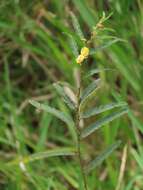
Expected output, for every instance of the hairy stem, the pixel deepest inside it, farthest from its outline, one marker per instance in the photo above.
(79, 140)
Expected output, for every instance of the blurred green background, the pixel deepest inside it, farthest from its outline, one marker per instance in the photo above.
(34, 53)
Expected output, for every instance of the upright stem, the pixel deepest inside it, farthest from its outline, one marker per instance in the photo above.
(79, 139)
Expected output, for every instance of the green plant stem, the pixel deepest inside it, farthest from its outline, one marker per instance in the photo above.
(79, 140)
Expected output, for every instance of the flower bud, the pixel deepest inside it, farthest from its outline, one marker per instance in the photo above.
(80, 59)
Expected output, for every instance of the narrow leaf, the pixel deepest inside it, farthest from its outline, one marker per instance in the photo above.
(99, 159)
(99, 123)
(106, 18)
(138, 158)
(88, 92)
(76, 26)
(66, 98)
(93, 51)
(46, 154)
(102, 108)
(57, 113)
(63, 116)
(96, 71)
(66, 174)
(73, 44)
(85, 12)
(51, 153)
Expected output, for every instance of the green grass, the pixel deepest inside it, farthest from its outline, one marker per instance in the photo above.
(33, 56)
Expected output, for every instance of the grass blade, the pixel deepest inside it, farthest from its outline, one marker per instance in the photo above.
(87, 131)
(137, 178)
(138, 158)
(99, 159)
(85, 12)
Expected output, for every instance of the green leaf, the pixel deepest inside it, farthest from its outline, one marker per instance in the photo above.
(7, 25)
(134, 180)
(138, 158)
(63, 116)
(135, 121)
(99, 123)
(46, 154)
(73, 44)
(94, 50)
(7, 142)
(57, 113)
(76, 26)
(102, 108)
(88, 92)
(51, 153)
(66, 174)
(106, 18)
(96, 71)
(124, 66)
(99, 159)
(85, 12)
(66, 98)
(89, 89)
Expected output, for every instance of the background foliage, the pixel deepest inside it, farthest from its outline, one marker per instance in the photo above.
(34, 53)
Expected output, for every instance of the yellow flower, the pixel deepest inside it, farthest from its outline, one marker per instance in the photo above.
(80, 59)
(85, 52)
(83, 55)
